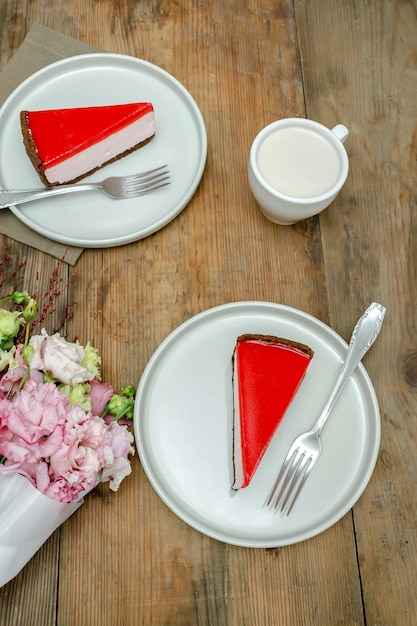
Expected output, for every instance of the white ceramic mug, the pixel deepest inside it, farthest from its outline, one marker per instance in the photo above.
(296, 168)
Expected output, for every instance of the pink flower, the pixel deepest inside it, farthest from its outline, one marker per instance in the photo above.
(100, 394)
(121, 440)
(34, 471)
(17, 452)
(60, 489)
(9, 384)
(36, 411)
(62, 450)
(10, 380)
(116, 473)
(51, 431)
(59, 358)
(121, 443)
(83, 451)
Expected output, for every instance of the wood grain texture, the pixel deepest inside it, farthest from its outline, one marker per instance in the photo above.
(124, 559)
(359, 68)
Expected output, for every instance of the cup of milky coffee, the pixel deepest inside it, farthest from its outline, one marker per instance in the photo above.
(296, 168)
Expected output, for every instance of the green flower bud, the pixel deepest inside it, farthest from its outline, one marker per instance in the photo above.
(121, 406)
(31, 310)
(20, 297)
(129, 411)
(116, 404)
(129, 391)
(10, 323)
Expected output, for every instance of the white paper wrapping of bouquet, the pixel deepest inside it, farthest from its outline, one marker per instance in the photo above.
(27, 519)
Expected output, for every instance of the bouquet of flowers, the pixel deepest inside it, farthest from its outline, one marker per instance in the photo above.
(62, 430)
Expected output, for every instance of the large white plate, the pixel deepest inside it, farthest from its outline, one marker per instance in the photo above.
(183, 428)
(91, 219)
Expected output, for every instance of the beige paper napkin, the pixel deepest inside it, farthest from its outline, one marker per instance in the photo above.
(41, 47)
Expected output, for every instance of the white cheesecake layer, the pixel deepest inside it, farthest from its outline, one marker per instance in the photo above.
(237, 449)
(103, 151)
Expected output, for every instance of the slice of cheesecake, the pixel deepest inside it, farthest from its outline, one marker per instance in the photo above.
(267, 372)
(65, 145)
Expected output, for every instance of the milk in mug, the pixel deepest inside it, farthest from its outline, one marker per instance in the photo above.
(299, 162)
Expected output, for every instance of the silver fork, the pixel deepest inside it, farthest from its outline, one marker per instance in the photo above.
(115, 187)
(306, 449)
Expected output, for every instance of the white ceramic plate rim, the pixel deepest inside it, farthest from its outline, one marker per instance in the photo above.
(57, 85)
(164, 428)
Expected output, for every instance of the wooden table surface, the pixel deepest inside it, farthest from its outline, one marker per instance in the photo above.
(126, 559)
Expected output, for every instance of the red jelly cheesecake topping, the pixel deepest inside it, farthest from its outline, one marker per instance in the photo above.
(267, 373)
(62, 133)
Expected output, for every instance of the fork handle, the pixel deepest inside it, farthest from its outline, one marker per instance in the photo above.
(11, 197)
(363, 336)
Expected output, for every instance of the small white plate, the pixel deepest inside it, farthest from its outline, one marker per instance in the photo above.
(183, 428)
(90, 219)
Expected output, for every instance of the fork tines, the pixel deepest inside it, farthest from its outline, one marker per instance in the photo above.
(147, 181)
(290, 481)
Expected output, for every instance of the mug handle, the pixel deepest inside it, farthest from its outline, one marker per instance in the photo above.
(341, 132)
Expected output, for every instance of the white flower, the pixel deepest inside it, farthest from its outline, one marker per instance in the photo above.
(61, 359)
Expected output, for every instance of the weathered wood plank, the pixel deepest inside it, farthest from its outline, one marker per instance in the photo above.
(359, 68)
